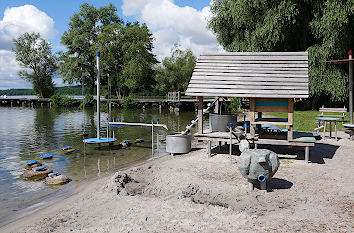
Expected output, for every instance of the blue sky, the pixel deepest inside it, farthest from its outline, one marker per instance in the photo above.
(180, 21)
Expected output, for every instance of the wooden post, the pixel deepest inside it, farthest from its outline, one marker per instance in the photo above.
(252, 116)
(216, 108)
(200, 114)
(290, 118)
(350, 88)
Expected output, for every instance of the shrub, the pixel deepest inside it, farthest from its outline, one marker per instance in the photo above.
(128, 102)
(62, 101)
(235, 104)
(89, 101)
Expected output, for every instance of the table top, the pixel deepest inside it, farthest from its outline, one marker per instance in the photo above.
(327, 119)
(348, 125)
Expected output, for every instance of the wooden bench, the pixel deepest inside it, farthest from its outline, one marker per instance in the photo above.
(324, 110)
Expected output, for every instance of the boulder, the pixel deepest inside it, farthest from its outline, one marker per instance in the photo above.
(57, 179)
(35, 175)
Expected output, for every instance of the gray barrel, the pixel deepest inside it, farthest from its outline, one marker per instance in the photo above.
(178, 143)
(219, 123)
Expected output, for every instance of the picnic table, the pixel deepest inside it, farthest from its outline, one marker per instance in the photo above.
(350, 128)
(324, 121)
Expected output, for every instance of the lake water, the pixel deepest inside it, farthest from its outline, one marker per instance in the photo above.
(26, 133)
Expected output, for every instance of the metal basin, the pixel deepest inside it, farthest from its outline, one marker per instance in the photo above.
(219, 123)
(178, 143)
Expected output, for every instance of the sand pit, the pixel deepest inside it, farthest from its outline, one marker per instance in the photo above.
(194, 193)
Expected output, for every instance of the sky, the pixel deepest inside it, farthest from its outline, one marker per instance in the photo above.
(182, 22)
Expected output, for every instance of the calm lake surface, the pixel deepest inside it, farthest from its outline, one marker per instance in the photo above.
(26, 133)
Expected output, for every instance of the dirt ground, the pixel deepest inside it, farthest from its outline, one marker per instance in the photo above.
(194, 193)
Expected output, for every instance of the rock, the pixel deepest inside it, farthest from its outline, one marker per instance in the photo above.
(29, 167)
(35, 175)
(125, 185)
(57, 180)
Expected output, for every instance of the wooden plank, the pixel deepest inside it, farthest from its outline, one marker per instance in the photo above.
(250, 86)
(215, 94)
(252, 116)
(247, 82)
(301, 53)
(294, 65)
(249, 74)
(200, 114)
(232, 91)
(269, 123)
(283, 142)
(250, 69)
(253, 58)
(290, 118)
(261, 79)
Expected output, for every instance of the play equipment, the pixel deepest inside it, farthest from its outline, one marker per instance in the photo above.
(220, 123)
(47, 156)
(258, 166)
(56, 179)
(178, 143)
(67, 149)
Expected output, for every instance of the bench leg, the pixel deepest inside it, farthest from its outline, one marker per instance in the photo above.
(209, 149)
(324, 130)
(330, 129)
(335, 128)
(307, 154)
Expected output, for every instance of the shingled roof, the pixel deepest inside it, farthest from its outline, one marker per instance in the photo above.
(251, 74)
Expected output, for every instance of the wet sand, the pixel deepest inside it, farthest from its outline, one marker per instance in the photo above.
(194, 193)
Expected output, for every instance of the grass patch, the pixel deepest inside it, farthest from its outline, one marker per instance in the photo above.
(306, 120)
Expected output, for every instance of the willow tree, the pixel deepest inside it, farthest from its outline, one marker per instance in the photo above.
(35, 55)
(322, 27)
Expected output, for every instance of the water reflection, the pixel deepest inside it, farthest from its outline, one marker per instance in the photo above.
(27, 133)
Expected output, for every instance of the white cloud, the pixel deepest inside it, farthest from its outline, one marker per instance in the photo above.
(16, 21)
(27, 18)
(173, 24)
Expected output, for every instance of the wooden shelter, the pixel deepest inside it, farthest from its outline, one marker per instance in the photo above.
(271, 80)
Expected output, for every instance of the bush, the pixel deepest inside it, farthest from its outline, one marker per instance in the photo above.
(89, 101)
(128, 102)
(235, 103)
(62, 101)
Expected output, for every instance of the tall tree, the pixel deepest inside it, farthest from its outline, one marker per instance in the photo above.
(176, 71)
(81, 42)
(323, 27)
(35, 54)
(127, 52)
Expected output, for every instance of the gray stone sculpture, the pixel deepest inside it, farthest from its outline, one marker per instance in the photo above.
(258, 166)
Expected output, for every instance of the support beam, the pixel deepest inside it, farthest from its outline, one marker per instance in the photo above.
(290, 118)
(252, 116)
(350, 88)
(200, 114)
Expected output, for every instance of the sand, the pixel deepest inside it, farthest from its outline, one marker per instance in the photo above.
(194, 193)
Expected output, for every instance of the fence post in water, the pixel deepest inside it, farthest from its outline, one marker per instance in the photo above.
(157, 140)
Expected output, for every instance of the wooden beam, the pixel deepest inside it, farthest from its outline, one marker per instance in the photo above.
(252, 115)
(290, 118)
(200, 114)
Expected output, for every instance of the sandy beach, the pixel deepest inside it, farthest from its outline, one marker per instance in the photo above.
(194, 193)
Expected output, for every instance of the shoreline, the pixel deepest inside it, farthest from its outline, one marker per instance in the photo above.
(74, 188)
(194, 193)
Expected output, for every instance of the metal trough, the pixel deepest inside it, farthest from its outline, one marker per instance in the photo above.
(219, 123)
(178, 143)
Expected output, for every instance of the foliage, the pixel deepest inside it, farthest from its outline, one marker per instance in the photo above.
(235, 104)
(12, 92)
(62, 101)
(88, 101)
(128, 102)
(81, 42)
(34, 54)
(176, 71)
(323, 27)
(127, 53)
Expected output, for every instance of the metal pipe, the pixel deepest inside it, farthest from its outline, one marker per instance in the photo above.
(98, 97)
(152, 137)
(261, 178)
(230, 152)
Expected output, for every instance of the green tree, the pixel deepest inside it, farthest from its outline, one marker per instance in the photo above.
(81, 42)
(127, 52)
(34, 53)
(322, 27)
(176, 71)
